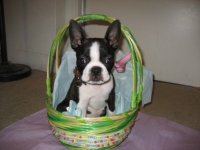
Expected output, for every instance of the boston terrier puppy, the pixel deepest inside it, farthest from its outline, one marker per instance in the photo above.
(93, 85)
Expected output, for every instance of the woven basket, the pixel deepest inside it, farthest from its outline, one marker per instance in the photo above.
(100, 132)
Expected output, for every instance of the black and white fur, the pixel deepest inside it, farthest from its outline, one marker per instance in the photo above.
(95, 60)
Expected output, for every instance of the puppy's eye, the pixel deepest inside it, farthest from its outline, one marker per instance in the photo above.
(82, 60)
(109, 60)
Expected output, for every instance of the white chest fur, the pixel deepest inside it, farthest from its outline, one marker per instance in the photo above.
(93, 97)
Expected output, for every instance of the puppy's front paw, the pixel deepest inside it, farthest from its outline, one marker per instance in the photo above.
(82, 108)
(61, 108)
(78, 112)
(110, 113)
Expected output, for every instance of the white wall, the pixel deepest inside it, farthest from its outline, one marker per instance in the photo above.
(31, 26)
(168, 32)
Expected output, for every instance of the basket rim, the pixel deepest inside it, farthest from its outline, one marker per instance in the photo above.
(123, 115)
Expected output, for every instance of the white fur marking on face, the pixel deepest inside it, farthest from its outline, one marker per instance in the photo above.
(94, 52)
(95, 61)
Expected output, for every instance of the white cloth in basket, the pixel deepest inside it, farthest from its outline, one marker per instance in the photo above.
(123, 82)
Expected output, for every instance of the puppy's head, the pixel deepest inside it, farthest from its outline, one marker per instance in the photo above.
(95, 56)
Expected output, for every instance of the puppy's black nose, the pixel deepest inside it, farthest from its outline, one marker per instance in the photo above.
(96, 71)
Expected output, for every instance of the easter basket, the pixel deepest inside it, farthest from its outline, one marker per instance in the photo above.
(101, 132)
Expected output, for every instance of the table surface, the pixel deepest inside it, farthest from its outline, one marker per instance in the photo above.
(152, 133)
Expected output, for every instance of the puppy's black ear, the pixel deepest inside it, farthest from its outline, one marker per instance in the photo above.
(76, 34)
(113, 34)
